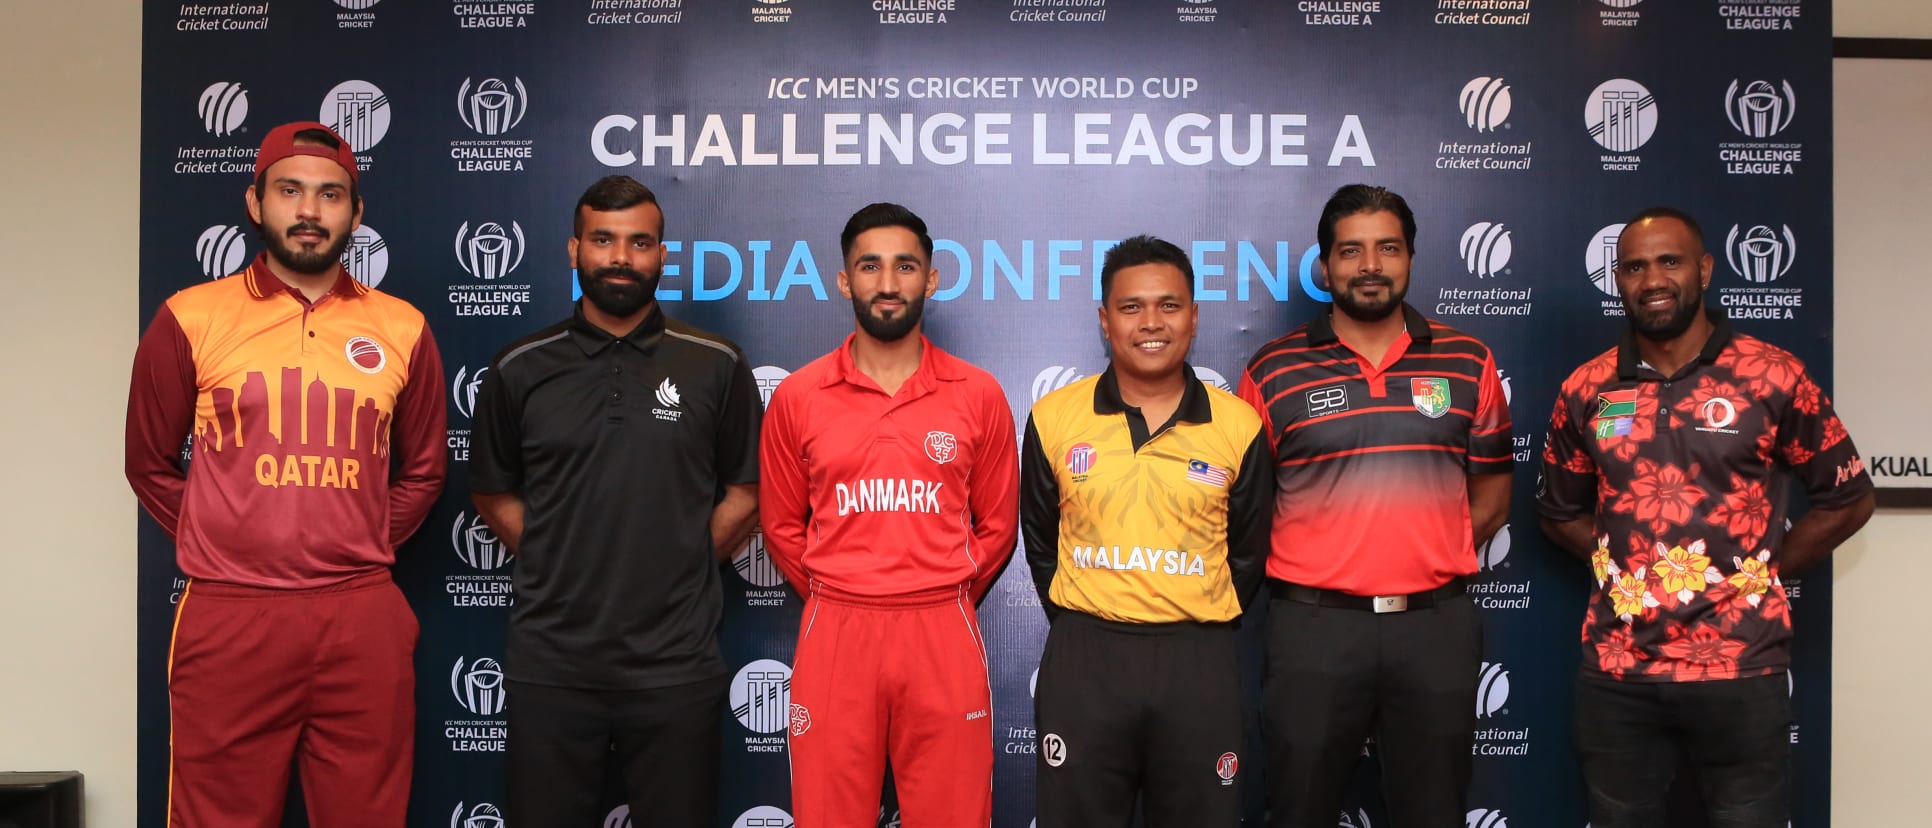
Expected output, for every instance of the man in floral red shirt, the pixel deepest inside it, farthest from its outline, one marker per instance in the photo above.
(1667, 467)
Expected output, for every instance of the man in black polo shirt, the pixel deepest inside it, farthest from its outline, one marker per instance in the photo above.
(616, 453)
(1667, 467)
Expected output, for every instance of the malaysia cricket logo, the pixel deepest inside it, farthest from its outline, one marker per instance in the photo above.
(941, 446)
(1431, 395)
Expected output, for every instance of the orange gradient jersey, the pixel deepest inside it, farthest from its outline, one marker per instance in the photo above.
(295, 409)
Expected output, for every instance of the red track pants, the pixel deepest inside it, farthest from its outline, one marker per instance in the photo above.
(324, 675)
(900, 676)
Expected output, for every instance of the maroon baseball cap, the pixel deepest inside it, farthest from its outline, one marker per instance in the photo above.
(281, 144)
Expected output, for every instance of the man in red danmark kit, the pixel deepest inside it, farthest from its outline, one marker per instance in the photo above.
(302, 389)
(889, 490)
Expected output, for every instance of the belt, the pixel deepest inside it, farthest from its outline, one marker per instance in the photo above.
(1372, 603)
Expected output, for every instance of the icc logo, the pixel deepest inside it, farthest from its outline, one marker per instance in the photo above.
(489, 252)
(1508, 394)
(478, 689)
(357, 110)
(1054, 378)
(1760, 111)
(753, 564)
(1213, 377)
(763, 816)
(1760, 255)
(1621, 115)
(1485, 104)
(367, 256)
(768, 377)
(1359, 820)
(1492, 692)
(484, 815)
(223, 107)
(619, 817)
(1485, 818)
(463, 390)
(476, 545)
(1493, 553)
(221, 249)
(492, 108)
(761, 696)
(1485, 249)
(1601, 259)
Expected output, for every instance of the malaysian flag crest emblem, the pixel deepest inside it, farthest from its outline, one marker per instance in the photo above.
(1201, 471)
(1080, 458)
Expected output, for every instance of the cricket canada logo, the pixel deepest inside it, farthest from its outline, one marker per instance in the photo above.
(941, 446)
(1431, 395)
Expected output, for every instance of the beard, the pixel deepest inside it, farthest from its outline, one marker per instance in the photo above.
(620, 297)
(1665, 325)
(1374, 310)
(889, 330)
(320, 260)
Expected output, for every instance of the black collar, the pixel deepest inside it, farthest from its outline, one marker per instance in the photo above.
(1194, 407)
(1628, 359)
(1321, 331)
(593, 339)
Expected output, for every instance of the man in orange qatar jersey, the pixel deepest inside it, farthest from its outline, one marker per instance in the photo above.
(303, 390)
(1391, 439)
(889, 491)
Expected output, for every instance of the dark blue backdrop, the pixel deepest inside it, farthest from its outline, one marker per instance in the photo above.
(1029, 133)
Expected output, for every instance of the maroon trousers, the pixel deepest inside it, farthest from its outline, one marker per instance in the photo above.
(259, 677)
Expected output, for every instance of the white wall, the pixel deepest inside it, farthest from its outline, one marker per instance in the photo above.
(68, 232)
(1879, 624)
(68, 223)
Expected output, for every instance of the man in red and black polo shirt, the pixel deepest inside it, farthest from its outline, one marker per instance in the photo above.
(889, 491)
(316, 406)
(1667, 467)
(1392, 457)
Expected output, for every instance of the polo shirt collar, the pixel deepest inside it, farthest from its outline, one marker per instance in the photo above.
(264, 284)
(593, 339)
(1194, 407)
(1321, 331)
(933, 366)
(1628, 360)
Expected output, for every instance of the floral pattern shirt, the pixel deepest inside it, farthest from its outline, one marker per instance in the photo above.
(1687, 477)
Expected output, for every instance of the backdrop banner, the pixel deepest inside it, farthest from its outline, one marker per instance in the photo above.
(1030, 134)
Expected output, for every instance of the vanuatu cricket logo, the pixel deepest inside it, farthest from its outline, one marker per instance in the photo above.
(1431, 395)
(1616, 411)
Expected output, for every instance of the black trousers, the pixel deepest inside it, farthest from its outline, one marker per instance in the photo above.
(1138, 710)
(1336, 676)
(664, 741)
(1735, 734)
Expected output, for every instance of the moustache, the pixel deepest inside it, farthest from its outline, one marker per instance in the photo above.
(308, 227)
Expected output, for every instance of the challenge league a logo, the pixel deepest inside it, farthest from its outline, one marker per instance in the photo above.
(463, 390)
(476, 545)
(492, 108)
(479, 687)
(484, 815)
(1761, 110)
(1760, 255)
(489, 252)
